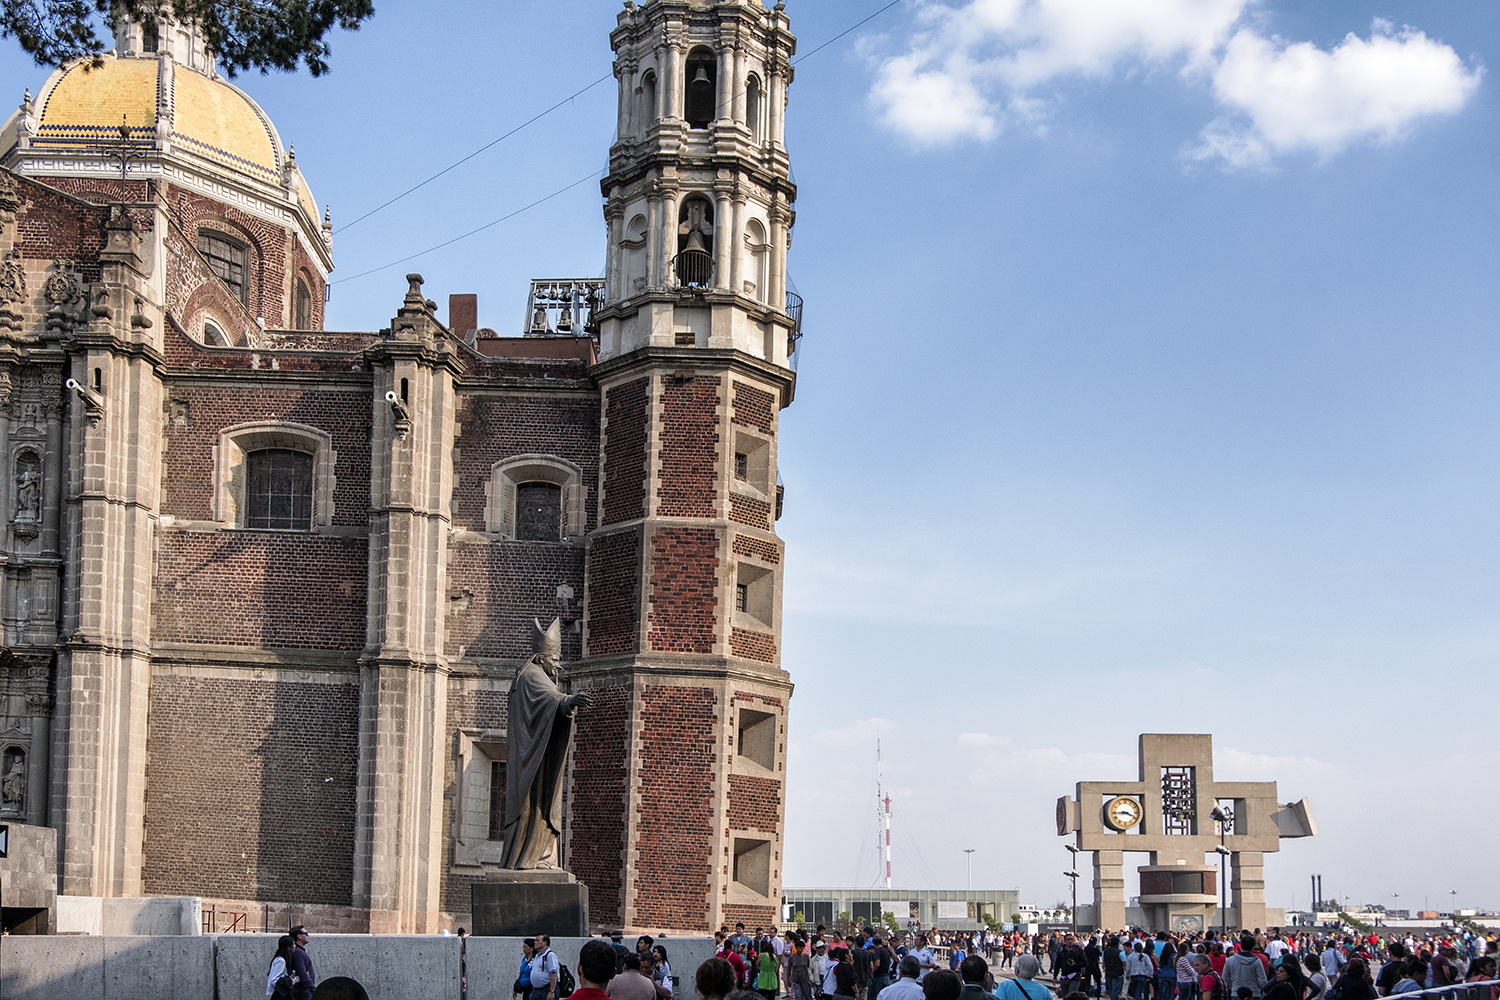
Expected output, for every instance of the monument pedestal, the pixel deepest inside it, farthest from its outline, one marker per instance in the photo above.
(512, 903)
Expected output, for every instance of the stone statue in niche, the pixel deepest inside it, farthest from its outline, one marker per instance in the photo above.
(540, 726)
(28, 487)
(13, 785)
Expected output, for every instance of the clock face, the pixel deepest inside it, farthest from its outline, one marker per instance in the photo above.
(1122, 812)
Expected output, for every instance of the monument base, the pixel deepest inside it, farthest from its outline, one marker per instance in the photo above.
(512, 903)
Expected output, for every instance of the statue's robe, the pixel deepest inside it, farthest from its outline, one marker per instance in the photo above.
(537, 751)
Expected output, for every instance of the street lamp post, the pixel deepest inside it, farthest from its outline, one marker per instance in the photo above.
(1223, 817)
(970, 852)
(1072, 874)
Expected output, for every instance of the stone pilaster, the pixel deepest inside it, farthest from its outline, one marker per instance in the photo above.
(403, 673)
(1247, 888)
(103, 664)
(1109, 889)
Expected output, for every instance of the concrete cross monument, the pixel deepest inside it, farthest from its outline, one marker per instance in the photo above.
(1173, 812)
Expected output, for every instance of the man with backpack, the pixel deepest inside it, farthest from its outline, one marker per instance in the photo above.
(545, 970)
(1210, 986)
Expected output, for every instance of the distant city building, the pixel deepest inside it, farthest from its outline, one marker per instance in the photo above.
(943, 909)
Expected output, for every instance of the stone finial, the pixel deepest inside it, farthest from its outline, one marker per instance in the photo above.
(414, 296)
(26, 102)
(291, 153)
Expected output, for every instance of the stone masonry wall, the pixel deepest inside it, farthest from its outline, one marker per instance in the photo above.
(687, 479)
(200, 413)
(754, 803)
(250, 789)
(269, 246)
(496, 589)
(675, 827)
(625, 460)
(248, 588)
(684, 574)
(493, 428)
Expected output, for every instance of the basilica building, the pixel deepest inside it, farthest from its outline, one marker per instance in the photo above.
(265, 586)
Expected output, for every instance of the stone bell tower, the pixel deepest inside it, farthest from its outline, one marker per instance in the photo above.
(679, 768)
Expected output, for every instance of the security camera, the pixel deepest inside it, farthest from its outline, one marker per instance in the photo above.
(91, 398)
(396, 405)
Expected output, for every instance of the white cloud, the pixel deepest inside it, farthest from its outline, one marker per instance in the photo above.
(982, 740)
(1291, 97)
(974, 70)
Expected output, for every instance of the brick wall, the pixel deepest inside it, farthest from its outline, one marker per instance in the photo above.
(754, 803)
(687, 480)
(753, 645)
(493, 428)
(749, 511)
(238, 799)
(675, 826)
(596, 835)
(508, 584)
(684, 573)
(614, 593)
(751, 916)
(748, 545)
(625, 452)
(188, 474)
(249, 588)
(52, 226)
(753, 408)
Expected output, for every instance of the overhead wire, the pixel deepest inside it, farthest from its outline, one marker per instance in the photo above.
(559, 191)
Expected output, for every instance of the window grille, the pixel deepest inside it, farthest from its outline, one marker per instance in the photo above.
(280, 490)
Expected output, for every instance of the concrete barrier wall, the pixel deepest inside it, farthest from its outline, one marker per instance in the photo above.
(54, 968)
(230, 966)
(493, 962)
(129, 916)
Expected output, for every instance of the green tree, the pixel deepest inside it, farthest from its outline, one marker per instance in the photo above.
(798, 918)
(889, 919)
(243, 34)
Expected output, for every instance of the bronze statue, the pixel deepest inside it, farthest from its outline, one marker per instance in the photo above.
(540, 725)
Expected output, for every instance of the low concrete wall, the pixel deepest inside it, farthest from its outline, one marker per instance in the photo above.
(55, 968)
(127, 916)
(493, 962)
(28, 875)
(195, 967)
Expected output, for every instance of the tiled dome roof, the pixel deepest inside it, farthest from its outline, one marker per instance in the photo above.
(204, 116)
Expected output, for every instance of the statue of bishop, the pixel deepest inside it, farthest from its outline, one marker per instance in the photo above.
(540, 725)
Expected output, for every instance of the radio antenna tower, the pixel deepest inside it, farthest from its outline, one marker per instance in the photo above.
(883, 806)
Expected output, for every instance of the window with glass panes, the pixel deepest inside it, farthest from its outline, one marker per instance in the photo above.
(226, 258)
(279, 489)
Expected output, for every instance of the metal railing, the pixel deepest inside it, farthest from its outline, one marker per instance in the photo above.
(694, 268)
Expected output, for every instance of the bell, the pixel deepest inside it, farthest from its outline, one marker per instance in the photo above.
(701, 80)
(695, 242)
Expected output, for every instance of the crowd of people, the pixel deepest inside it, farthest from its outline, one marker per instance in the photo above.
(871, 963)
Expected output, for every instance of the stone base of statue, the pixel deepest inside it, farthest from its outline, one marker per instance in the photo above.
(520, 903)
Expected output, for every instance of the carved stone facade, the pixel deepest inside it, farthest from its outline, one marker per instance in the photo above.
(265, 588)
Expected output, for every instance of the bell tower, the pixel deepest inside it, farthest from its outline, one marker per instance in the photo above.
(678, 775)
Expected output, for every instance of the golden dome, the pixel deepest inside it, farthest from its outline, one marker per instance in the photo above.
(204, 116)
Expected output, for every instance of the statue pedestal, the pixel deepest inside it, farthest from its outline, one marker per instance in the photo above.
(512, 903)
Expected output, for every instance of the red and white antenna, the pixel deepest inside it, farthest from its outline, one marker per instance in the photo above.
(883, 803)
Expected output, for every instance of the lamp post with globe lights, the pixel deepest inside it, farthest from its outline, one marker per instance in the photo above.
(1072, 874)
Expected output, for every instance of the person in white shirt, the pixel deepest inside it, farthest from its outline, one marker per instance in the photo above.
(924, 957)
(907, 987)
(279, 964)
(1275, 947)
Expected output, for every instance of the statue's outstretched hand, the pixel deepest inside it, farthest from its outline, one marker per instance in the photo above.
(580, 700)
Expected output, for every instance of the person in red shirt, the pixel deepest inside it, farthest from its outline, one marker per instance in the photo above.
(596, 967)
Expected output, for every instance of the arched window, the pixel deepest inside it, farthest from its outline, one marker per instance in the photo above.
(276, 475)
(700, 76)
(695, 242)
(757, 260)
(302, 320)
(150, 37)
(753, 100)
(537, 498)
(648, 114)
(214, 335)
(227, 258)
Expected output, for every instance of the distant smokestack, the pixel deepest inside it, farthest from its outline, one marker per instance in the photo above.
(463, 314)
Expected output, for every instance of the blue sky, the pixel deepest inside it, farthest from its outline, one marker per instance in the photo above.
(1148, 385)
